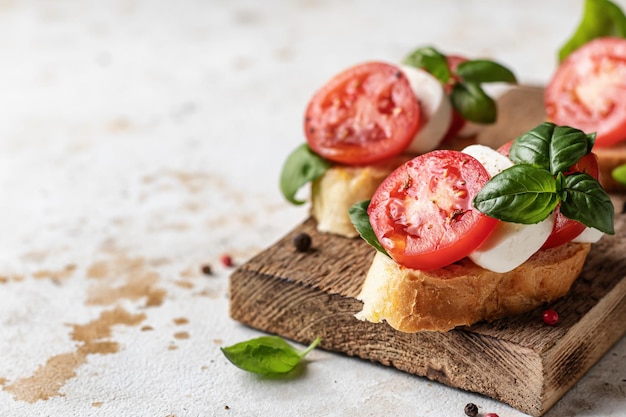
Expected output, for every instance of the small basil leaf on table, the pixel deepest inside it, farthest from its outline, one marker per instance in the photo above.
(472, 103)
(519, 194)
(266, 355)
(484, 71)
(361, 221)
(430, 60)
(584, 200)
(301, 167)
(600, 18)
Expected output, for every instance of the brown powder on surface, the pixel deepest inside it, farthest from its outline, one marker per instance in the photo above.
(124, 278)
(180, 321)
(184, 284)
(181, 335)
(48, 379)
(63, 273)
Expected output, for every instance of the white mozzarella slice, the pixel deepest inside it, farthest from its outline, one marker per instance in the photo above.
(436, 110)
(589, 235)
(510, 244)
(493, 161)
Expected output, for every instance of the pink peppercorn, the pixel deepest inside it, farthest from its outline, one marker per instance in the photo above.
(226, 260)
(550, 317)
(491, 415)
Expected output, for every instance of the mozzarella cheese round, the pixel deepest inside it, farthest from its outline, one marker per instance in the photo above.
(510, 244)
(435, 107)
(589, 235)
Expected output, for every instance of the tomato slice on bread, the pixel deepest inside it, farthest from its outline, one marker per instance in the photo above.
(588, 90)
(363, 115)
(422, 213)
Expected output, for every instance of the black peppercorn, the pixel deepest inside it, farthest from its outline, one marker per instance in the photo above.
(207, 270)
(471, 410)
(302, 242)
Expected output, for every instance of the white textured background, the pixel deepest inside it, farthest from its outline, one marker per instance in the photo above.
(140, 140)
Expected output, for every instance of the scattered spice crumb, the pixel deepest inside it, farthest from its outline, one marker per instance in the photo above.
(206, 269)
(471, 410)
(302, 242)
(226, 260)
(179, 321)
(226, 407)
(146, 328)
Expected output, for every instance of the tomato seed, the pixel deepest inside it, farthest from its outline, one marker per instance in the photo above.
(471, 410)
(226, 260)
(302, 242)
(550, 317)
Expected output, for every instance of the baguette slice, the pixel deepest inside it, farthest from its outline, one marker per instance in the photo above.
(341, 187)
(463, 293)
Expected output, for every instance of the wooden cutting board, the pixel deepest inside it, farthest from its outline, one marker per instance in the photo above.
(517, 360)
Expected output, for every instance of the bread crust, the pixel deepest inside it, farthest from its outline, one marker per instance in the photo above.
(463, 293)
(341, 187)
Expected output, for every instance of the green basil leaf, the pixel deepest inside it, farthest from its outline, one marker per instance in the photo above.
(266, 355)
(619, 174)
(431, 60)
(473, 103)
(600, 18)
(519, 194)
(533, 146)
(584, 200)
(301, 167)
(361, 221)
(550, 147)
(568, 145)
(484, 71)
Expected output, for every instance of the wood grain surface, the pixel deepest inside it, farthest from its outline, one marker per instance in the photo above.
(517, 360)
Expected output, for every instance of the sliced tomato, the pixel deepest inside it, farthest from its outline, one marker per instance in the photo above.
(422, 213)
(588, 91)
(566, 229)
(365, 114)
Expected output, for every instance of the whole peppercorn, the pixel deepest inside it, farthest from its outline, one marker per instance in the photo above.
(302, 242)
(471, 410)
(226, 260)
(550, 317)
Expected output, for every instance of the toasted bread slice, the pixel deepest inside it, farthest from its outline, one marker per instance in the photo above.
(341, 187)
(463, 293)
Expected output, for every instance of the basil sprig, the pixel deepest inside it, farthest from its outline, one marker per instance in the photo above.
(266, 355)
(619, 174)
(531, 189)
(361, 221)
(301, 167)
(467, 95)
(600, 18)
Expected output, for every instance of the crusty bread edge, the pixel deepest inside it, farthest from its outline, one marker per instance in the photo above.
(463, 293)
